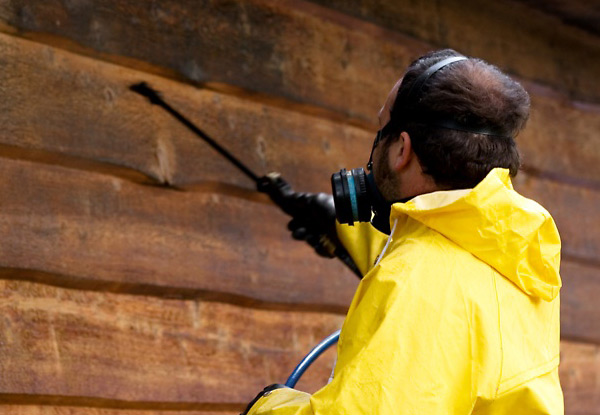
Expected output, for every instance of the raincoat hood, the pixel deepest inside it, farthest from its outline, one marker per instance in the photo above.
(513, 234)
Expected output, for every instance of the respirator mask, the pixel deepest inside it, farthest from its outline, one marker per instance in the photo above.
(355, 193)
(357, 198)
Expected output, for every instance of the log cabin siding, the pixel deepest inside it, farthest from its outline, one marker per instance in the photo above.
(139, 272)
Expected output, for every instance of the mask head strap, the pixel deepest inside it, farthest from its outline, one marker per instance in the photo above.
(413, 95)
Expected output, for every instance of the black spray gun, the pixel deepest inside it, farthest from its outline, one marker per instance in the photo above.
(280, 192)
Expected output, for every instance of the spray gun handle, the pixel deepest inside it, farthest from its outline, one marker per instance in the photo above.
(278, 190)
(281, 193)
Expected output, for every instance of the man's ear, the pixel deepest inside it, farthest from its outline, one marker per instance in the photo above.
(401, 153)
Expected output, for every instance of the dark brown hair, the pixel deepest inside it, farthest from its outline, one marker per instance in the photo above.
(471, 93)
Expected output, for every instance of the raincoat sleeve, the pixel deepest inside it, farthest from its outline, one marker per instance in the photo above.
(403, 350)
(363, 242)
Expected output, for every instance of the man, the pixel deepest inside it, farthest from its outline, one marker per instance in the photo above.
(458, 310)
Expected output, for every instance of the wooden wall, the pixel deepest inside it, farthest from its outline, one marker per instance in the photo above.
(141, 274)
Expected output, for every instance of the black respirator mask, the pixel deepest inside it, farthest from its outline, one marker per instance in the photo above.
(357, 198)
(355, 193)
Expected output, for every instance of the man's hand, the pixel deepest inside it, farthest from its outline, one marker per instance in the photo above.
(314, 221)
(262, 393)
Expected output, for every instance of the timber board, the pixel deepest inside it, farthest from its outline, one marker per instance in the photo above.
(133, 351)
(63, 103)
(313, 54)
(579, 368)
(528, 43)
(181, 355)
(108, 231)
(91, 231)
(74, 106)
(83, 410)
(579, 302)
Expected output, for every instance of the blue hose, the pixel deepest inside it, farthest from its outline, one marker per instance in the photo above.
(311, 357)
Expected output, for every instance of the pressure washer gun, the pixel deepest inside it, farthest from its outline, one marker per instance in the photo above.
(280, 192)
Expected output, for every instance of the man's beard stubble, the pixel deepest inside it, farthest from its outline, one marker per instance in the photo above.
(387, 182)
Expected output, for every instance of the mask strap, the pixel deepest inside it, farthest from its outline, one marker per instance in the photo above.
(377, 140)
(415, 89)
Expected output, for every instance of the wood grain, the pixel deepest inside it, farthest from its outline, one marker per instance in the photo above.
(263, 46)
(304, 52)
(67, 105)
(92, 231)
(525, 41)
(137, 352)
(142, 352)
(579, 296)
(101, 232)
(560, 139)
(579, 377)
(74, 109)
(83, 410)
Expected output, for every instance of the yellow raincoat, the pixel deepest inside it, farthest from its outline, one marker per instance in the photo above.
(460, 316)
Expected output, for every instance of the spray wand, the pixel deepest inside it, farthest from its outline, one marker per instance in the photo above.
(272, 183)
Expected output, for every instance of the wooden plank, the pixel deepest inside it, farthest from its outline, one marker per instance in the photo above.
(313, 54)
(579, 368)
(561, 138)
(96, 345)
(580, 13)
(67, 105)
(265, 46)
(520, 39)
(143, 352)
(79, 410)
(580, 318)
(93, 231)
(80, 229)
(41, 84)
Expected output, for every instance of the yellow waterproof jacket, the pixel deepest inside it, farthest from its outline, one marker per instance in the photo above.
(460, 315)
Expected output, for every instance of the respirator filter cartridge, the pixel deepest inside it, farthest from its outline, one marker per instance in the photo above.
(350, 196)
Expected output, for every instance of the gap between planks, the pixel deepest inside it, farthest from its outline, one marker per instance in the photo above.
(125, 173)
(165, 292)
(92, 402)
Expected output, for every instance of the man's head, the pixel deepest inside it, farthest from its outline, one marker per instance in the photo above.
(418, 155)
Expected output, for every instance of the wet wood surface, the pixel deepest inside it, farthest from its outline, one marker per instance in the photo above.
(560, 139)
(305, 52)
